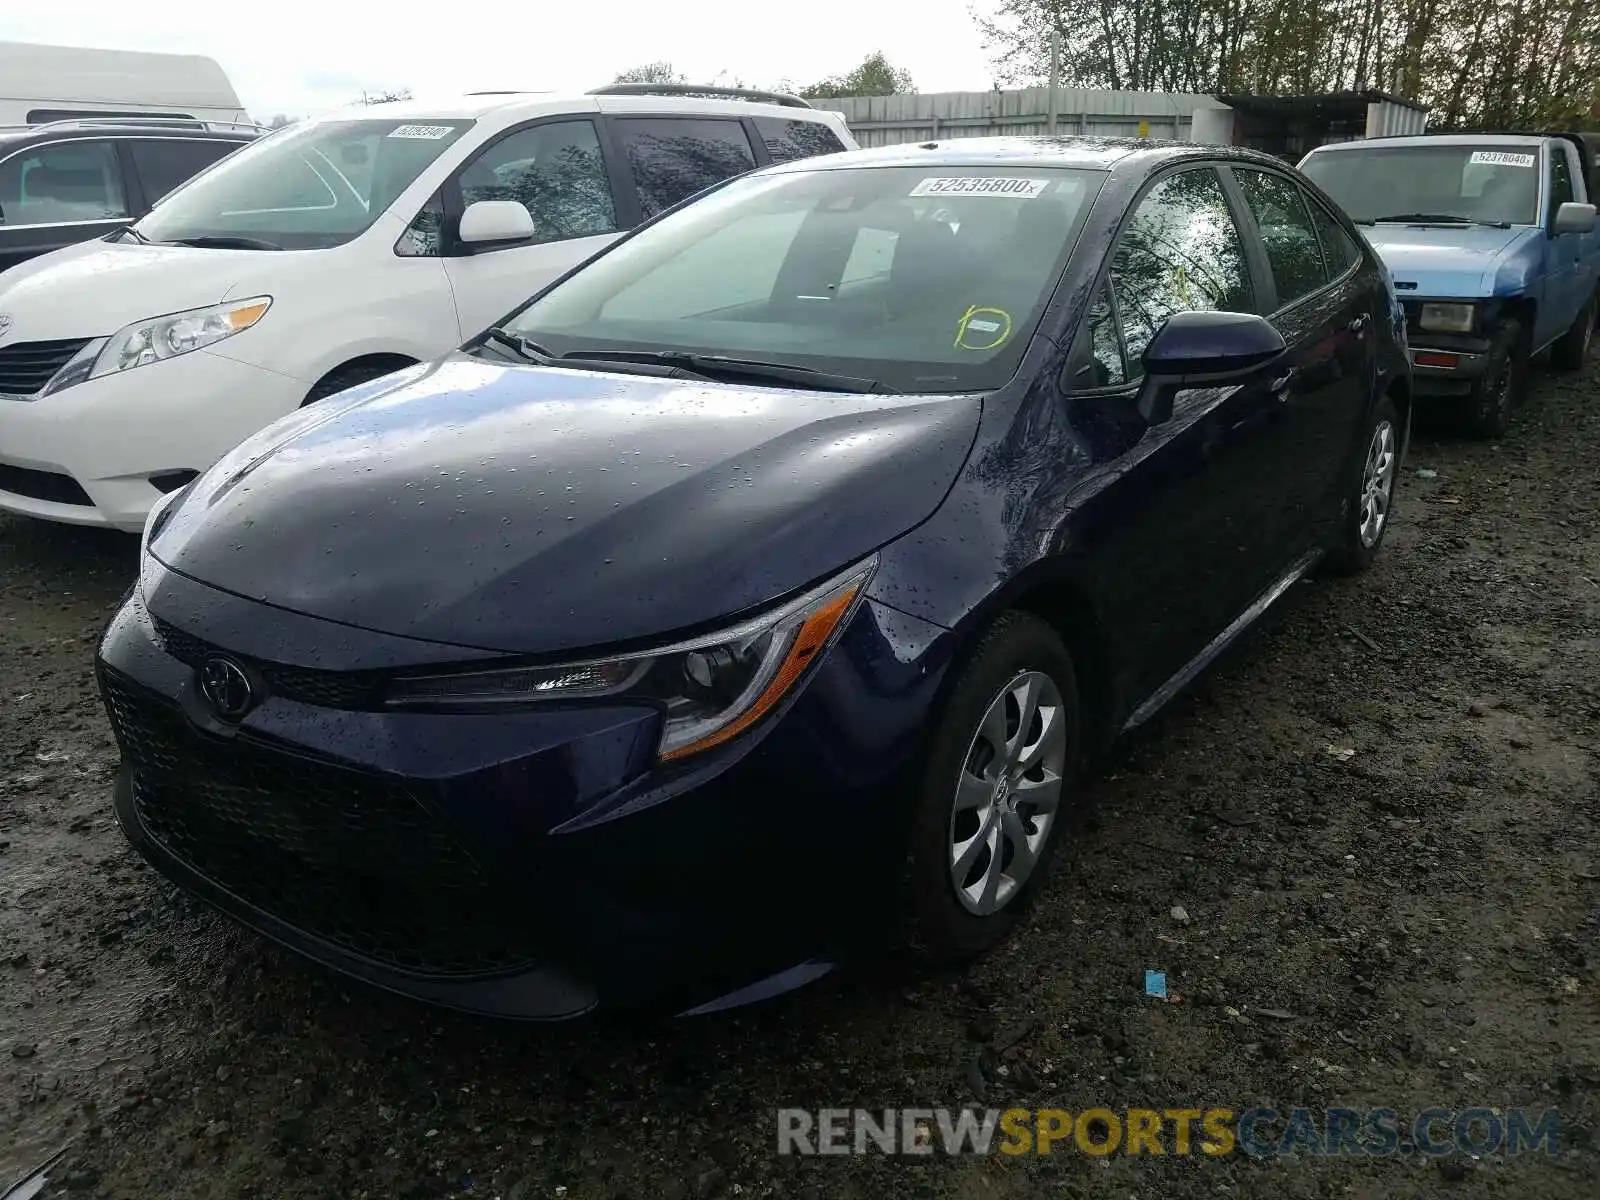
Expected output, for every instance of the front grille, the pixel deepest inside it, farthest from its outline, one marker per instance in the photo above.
(42, 485)
(28, 366)
(326, 689)
(345, 854)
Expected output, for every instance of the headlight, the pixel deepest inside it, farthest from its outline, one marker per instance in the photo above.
(1447, 318)
(710, 688)
(159, 338)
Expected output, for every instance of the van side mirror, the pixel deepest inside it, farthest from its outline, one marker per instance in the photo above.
(1573, 217)
(490, 223)
(1197, 349)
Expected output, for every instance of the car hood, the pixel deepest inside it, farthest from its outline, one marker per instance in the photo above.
(1471, 262)
(531, 510)
(94, 288)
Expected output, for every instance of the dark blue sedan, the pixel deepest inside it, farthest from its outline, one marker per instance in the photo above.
(753, 596)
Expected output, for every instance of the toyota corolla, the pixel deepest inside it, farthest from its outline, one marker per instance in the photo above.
(755, 593)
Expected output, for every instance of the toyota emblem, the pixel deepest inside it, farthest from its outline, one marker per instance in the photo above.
(226, 688)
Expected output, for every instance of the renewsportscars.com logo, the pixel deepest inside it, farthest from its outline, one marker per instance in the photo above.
(1205, 1133)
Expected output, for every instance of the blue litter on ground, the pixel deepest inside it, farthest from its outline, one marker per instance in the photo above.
(1155, 984)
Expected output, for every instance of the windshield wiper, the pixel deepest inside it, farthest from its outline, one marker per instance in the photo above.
(1440, 219)
(721, 367)
(128, 231)
(223, 241)
(531, 351)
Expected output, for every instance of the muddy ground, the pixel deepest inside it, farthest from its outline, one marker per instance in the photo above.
(1422, 916)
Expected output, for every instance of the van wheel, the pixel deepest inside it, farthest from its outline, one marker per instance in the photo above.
(999, 783)
(348, 375)
(1571, 351)
(1503, 385)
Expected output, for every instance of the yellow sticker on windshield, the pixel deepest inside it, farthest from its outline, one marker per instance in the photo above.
(983, 328)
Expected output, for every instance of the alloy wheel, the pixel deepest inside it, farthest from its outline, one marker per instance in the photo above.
(1377, 483)
(1008, 793)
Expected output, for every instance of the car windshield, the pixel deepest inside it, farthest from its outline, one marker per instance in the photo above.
(921, 279)
(1471, 183)
(306, 187)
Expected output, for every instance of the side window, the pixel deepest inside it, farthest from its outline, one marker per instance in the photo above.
(672, 158)
(1180, 252)
(789, 140)
(1099, 346)
(1338, 248)
(164, 163)
(424, 237)
(1286, 232)
(68, 181)
(1560, 178)
(555, 171)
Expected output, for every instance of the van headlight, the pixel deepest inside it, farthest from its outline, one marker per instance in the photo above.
(158, 338)
(710, 688)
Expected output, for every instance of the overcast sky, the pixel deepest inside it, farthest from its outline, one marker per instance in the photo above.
(302, 56)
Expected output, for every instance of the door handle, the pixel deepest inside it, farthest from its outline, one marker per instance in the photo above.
(1280, 385)
(1359, 323)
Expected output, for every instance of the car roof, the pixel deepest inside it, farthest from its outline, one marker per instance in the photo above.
(508, 107)
(1082, 152)
(1436, 139)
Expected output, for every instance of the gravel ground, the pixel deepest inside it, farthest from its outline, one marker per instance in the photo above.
(1378, 819)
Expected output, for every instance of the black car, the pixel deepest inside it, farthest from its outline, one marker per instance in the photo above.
(69, 181)
(757, 589)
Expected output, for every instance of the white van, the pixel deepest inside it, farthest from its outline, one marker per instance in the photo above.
(40, 84)
(329, 253)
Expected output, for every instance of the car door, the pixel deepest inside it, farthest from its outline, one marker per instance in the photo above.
(1325, 313)
(1179, 532)
(55, 194)
(557, 169)
(1567, 284)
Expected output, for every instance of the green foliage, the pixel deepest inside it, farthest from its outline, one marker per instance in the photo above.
(1505, 64)
(655, 72)
(874, 77)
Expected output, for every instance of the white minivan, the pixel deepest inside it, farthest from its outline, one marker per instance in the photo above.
(327, 254)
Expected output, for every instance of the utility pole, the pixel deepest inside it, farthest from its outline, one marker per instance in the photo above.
(1055, 74)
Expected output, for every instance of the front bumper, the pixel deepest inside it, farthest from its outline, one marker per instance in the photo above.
(526, 864)
(86, 455)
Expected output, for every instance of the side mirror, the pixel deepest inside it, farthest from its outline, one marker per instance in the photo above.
(487, 223)
(1572, 217)
(1194, 349)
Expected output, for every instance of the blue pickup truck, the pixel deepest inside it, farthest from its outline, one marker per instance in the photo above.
(1492, 244)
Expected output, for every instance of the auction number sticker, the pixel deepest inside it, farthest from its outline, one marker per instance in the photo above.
(428, 133)
(1011, 186)
(1501, 158)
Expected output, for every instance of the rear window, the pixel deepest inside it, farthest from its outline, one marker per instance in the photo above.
(60, 183)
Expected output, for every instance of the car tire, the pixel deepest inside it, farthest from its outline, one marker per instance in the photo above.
(1367, 504)
(1504, 383)
(961, 810)
(350, 375)
(1571, 351)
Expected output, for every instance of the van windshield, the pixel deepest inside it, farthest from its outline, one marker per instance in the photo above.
(1494, 183)
(919, 279)
(308, 187)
